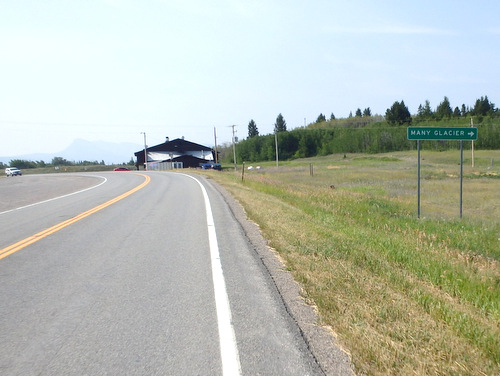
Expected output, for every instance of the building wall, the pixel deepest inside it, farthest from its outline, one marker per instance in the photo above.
(163, 155)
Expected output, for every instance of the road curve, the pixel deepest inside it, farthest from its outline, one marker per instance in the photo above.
(129, 288)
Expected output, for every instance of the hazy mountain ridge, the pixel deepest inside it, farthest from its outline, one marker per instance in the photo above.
(83, 150)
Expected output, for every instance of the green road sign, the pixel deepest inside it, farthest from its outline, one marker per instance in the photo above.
(442, 133)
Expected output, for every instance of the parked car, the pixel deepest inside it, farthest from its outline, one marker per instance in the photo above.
(13, 171)
(121, 169)
(210, 165)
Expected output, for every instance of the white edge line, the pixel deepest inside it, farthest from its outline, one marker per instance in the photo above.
(227, 338)
(58, 197)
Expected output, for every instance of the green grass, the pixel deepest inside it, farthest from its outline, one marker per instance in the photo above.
(404, 295)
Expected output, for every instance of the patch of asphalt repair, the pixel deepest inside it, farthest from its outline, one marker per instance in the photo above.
(332, 359)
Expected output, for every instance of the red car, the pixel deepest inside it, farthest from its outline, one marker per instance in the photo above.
(121, 169)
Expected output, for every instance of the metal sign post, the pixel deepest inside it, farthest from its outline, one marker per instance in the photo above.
(418, 179)
(441, 133)
(461, 173)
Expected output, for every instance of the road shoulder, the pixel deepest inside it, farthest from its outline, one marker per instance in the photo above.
(321, 340)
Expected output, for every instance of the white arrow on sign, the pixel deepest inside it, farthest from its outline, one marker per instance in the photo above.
(471, 134)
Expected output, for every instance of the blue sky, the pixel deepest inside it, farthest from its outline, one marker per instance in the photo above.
(110, 69)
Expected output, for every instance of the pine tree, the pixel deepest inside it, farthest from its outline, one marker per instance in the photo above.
(464, 111)
(321, 118)
(252, 129)
(280, 125)
(483, 107)
(425, 112)
(428, 113)
(444, 111)
(398, 114)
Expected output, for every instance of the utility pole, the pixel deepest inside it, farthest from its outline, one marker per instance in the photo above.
(276, 144)
(234, 147)
(145, 152)
(472, 125)
(215, 147)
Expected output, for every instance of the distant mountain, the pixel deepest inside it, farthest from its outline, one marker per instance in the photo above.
(82, 150)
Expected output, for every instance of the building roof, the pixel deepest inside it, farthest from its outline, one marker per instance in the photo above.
(179, 146)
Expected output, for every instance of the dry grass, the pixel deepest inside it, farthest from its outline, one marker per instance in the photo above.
(405, 296)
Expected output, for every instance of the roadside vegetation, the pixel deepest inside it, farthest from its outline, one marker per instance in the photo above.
(403, 295)
(367, 133)
(59, 164)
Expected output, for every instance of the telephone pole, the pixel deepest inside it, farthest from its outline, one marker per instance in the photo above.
(145, 152)
(276, 146)
(234, 146)
(215, 140)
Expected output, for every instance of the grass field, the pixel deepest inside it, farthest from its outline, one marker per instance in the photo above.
(405, 296)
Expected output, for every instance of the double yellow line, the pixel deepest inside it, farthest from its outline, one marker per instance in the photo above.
(42, 234)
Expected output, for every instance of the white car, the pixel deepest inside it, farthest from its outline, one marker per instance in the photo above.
(12, 171)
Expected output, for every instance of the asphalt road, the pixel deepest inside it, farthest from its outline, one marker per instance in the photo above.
(125, 274)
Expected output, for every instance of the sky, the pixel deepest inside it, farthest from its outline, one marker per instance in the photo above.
(107, 70)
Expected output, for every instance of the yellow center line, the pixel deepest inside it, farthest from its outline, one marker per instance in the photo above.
(42, 234)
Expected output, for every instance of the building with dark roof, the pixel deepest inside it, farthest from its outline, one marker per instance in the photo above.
(183, 152)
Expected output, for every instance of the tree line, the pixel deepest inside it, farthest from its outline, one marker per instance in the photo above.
(367, 133)
(56, 162)
(399, 114)
(304, 143)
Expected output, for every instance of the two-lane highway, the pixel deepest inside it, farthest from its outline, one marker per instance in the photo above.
(142, 284)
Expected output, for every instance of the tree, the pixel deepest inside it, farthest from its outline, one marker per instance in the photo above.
(483, 107)
(367, 112)
(444, 111)
(359, 113)
(398, 114)
(332, 116)
(280, 125)
(464, 111)
(252, 129)
(321, 118)
(60, 161)
(22, 163)
(425, 112)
